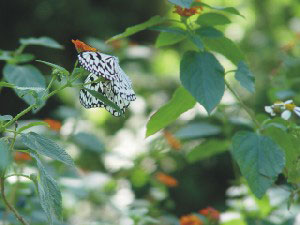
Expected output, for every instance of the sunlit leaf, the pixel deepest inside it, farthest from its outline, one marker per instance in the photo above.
(212, 19)
(181, 102)
(230, 10)
(260, 160)
(33, 124)
(172, 36)
(203, 76)
(47, 147)
(137, 28)
(43, 41)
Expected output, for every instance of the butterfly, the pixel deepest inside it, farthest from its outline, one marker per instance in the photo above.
(117, 86)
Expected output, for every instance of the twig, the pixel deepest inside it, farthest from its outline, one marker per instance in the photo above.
(19, 217)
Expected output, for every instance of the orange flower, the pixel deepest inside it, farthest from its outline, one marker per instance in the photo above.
(190, 220)
(188, 11)
(172, 141)
(82, 47)
(210, 213)
(166, 179)
(21, 157)
(53, 124)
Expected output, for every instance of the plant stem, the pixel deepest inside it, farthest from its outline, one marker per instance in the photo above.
(17, 175)
(19, 217)
(251, 115)
(28, 109)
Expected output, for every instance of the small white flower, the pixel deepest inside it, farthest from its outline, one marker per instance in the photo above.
(286, 108)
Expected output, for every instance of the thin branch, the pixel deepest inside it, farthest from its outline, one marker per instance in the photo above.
(11, 208)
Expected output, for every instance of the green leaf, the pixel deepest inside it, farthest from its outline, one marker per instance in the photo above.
(181, 102)
(5, 156)
(137, 28)
(174, 30)
(49, 192)
(105, 100)
(260, 160)
(207, 149)
(225, 47)
(47, 147)
(245, 77)
(43, 41)
(231, 10)
(6, 117)
(33, 124)
(182, 3)
(25, 78)
(290, 145)
(88, 141)
(203, 76)
(209, 32)
(197, 130)
(5, 84)
(54, 66)
(6, 55)
(196, 41)
(212, 19)
(26, 57)
(170, 37)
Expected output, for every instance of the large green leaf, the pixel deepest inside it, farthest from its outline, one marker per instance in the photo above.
(223, 46)
(88, 141)
(182, 3)
(5, 156)
(49, 192)
(43, 41)
(172, 36)
(47, 147)
(260, 160)
(207, 149)
(203, 76)
(33, 124)
(209, 32)
(212, 19)
(291, 147)
(245, 77)
(27, 79)
(197, 130)
(137, 28)
(181, 102)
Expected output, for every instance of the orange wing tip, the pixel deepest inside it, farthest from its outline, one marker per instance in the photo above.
(83, 47)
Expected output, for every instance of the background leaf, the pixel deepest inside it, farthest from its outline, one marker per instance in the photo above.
(47, 147)
(54, 66)
(5, 156)
(207, 149)
(42, 41)
(259, 158)
(197, 130)
(181, 102)
(5, 117)
(245, 77)
(27, 77)
(88, 141)
(203, 76)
